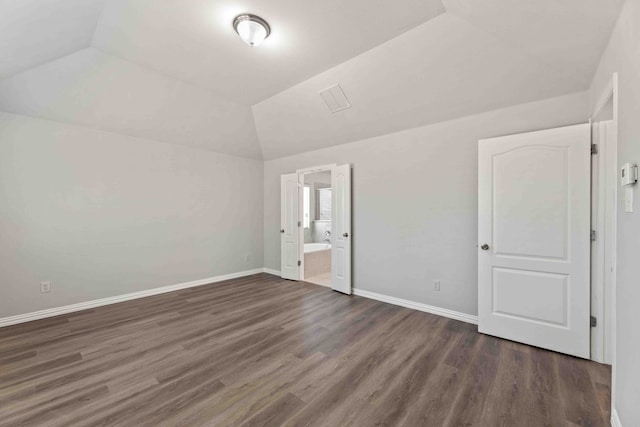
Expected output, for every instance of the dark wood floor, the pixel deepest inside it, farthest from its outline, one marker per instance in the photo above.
(261, 351)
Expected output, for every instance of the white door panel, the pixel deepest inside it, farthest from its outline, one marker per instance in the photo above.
(341, 229)
(530, 295)
(527, 227)
(534, 216)
(289, 196)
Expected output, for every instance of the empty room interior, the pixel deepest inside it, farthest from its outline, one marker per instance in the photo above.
(320, 213)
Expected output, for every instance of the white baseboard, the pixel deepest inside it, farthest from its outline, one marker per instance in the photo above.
(56, 311)
(615, 418)
(418, 306)
(406, 303)
(270, 271)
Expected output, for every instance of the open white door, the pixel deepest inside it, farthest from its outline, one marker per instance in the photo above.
(289, 229)
(341, 229)
(534, 238)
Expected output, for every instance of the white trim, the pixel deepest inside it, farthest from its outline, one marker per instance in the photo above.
(315, 169)
(301, 263)
(614, 277)
(603, 337)
(444, 312)
(603, 214)
(271, 271)
(56, 311)
(463, 317)
(615, 418)
(611, 90)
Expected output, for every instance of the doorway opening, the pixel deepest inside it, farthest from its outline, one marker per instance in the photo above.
(316, 227)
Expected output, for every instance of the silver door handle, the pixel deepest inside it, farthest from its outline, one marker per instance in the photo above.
(484, 247)
(345, 235)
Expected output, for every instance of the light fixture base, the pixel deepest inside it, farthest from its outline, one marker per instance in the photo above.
(250, 18)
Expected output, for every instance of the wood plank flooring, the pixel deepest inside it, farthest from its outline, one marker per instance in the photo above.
(260, 351)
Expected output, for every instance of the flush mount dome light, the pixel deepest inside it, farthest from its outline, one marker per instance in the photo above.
(251, 28)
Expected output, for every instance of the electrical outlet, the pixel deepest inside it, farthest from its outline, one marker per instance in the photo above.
(45, 287)
(436, 285)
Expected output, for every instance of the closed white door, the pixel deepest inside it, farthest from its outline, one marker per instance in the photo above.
(341, 229)
(534, 238)
(289, 229)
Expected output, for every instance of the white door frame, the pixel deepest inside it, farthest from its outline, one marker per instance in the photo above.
(604, 194)
(610, 92)
(301, 173)
(605, 256)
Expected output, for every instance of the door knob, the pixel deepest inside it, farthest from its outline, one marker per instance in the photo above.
(345, 235)
(484, 247)
(282, 230)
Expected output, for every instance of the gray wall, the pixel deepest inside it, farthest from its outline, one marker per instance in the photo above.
(101, 214)
(622, 55)
(415, 201)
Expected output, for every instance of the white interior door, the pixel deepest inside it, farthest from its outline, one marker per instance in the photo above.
(289, 229)
(341, 229)
(534, 238)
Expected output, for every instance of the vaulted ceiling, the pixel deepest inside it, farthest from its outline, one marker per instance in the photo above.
(175, 71)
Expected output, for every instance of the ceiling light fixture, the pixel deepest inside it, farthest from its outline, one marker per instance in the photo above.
(251, 28)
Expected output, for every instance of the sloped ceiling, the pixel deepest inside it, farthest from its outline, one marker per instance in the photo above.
(33, 32)
(569, 35)
(476, 57)
(100, 91)
(193, 40)
(174, 71)
(444, 69)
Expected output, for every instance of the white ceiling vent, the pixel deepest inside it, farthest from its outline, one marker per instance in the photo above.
(335, 98)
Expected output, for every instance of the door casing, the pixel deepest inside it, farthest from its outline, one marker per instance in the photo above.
(301, 173)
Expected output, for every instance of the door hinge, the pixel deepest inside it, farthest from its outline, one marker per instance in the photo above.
(594, 321)
(299, 224)
(594, 148)
(593, 235)
(299, 263)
